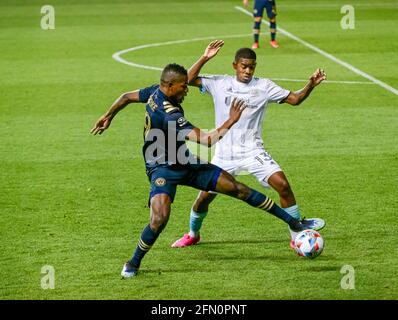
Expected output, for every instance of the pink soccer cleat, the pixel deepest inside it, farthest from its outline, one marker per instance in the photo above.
(185, 241)
(274, 43)
(255, 45)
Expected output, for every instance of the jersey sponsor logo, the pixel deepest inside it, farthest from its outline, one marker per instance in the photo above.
(160, 182)
(228, 100)
(254, 92)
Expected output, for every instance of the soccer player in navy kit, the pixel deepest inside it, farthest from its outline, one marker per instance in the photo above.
(258, 10)
(169, 162)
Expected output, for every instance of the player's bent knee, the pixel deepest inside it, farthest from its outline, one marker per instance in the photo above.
(228, 185)
(159, 221)
(160, 211)
(258, 19)
(243, 191)
(284, 188)
(239, 190)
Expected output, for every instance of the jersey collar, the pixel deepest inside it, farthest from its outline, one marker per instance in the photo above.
(242, 83)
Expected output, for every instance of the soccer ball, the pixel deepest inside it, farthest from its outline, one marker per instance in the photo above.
(308, 243)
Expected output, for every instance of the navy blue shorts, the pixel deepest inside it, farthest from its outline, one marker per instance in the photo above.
(165, 179)
(269, 5)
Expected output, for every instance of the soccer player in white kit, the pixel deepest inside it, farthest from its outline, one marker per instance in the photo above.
(242, 148)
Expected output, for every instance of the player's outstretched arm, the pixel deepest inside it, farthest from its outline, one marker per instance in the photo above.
(295, 98)
(208, 139)
(104, 122)
(210, 52)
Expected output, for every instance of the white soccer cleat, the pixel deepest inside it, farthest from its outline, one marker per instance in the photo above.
(128, 270)
(315, 223)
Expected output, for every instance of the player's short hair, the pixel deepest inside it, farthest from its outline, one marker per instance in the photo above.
(245, 53)
(171, 71)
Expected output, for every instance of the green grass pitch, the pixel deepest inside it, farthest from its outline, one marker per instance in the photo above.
(78, 202)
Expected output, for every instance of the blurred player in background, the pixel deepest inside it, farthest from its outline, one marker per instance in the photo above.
(242, 150)
(258, 10)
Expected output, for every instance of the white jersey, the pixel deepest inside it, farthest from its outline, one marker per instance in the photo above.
(244, 139)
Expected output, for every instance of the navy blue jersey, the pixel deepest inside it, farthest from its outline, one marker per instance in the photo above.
(165, 130)
(168, 160)
(145, 93)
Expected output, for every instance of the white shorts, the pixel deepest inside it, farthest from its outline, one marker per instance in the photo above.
(262, 166)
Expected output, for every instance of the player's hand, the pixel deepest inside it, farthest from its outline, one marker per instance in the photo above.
(245, 3)
(236, 110)
(101, 125)
(212, 49)
(317, 77)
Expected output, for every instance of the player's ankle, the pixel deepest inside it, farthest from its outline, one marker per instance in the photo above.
(194, 234)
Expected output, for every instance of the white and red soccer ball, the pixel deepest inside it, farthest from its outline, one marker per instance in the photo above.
(309, 243)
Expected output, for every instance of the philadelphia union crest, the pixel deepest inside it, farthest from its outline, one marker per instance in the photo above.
(160, 182)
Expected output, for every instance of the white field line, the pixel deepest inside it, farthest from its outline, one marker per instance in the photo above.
(117, 57)
(329, 56)
(381, 5)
